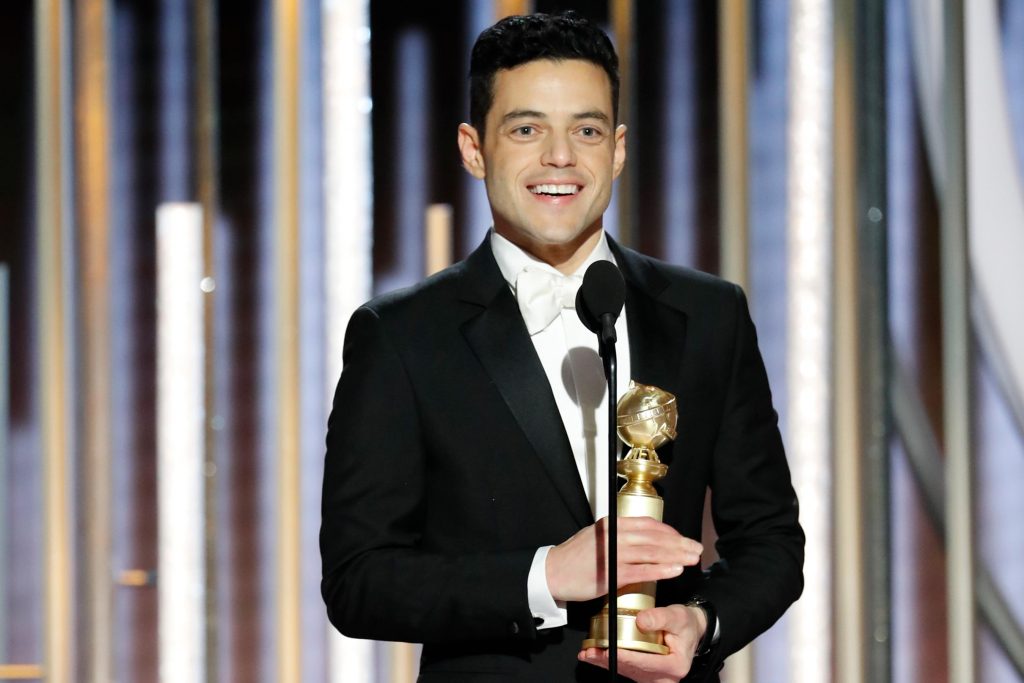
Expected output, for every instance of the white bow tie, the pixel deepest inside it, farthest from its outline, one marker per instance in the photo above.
(543, 295)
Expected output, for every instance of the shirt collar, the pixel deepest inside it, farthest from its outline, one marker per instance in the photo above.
(512, 260)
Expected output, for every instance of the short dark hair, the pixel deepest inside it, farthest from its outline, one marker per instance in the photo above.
(520, 39)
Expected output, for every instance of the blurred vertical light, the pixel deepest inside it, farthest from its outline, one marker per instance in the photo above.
(348, 227)
(850, 324)
(205, 141)
(413, 134)
(93, 146)
(620, 218)
(4, 417)
(312, 339)
(476, 215)
(902, 214)
(439, 238)
(677, 112)
(348, 186)
(734, 194)
(175, 99)
(507, 8)
(180, 439)
(809, 247)
(996, 237)
(734, 146)
(55, 309)
(957, 380)
(286, 29)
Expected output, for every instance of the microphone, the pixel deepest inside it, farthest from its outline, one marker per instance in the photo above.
(600, 298)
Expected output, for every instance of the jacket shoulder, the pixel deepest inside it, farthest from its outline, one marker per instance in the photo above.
(685, 288)
(427, 297)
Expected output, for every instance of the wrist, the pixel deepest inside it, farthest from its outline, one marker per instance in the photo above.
(700, 618)
(710, 619)
(552, 576)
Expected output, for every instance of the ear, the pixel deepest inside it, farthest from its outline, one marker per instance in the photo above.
(619, 158)
(469, 148)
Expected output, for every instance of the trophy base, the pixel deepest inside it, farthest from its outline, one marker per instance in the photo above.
(628, 636)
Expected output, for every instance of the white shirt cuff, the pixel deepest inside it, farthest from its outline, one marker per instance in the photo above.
(549, 611)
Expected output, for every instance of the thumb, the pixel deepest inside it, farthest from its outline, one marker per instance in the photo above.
(654, 619)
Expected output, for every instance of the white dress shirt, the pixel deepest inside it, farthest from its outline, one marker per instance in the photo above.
(568, 353)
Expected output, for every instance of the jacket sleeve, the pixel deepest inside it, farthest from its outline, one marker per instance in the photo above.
(379, 580)
(754, 506)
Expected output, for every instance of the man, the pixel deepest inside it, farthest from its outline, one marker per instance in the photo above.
(463, 471)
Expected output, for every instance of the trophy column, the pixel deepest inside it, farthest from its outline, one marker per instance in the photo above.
(646, 418)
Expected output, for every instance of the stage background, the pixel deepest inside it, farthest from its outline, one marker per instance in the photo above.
(194, 196)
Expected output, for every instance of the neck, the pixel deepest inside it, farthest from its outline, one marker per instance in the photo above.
(565, 258)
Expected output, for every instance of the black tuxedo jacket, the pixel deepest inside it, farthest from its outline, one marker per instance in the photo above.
(448, 465)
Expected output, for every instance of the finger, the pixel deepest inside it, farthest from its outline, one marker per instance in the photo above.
(673, 619)
(640, 666)
(643, 522)
(651, 532)
(648, 553)
(595, 656)
(639, 573)
(631, 660)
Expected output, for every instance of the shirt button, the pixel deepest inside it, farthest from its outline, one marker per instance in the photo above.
(513, 627)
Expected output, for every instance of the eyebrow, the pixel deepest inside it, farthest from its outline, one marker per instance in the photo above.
(523, 114)
(532, 114)
(595, 114)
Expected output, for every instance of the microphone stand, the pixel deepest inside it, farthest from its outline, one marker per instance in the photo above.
(607, 351)
(599, 302)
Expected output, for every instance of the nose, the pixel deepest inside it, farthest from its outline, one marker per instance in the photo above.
(558, 151)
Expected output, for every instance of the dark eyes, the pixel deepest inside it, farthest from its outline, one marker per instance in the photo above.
(589, 132)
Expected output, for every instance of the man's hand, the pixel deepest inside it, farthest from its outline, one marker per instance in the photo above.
(648, 550)
(683, 626)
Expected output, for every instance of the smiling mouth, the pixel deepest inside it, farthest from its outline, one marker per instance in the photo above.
(550, 190)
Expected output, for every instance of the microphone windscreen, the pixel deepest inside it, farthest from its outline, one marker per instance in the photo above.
(603, 292)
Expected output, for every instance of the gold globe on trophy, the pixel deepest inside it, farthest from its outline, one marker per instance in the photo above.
(645, 419)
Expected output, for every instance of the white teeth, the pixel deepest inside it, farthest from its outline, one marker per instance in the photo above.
(555, 189)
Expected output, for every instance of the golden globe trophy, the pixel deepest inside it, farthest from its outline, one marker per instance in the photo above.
(645, 419)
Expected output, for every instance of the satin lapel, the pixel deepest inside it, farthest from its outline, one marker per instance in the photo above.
(657, 331)
(657, 336)
(498, 337)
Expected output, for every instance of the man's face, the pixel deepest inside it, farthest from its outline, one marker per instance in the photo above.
(550, 153)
